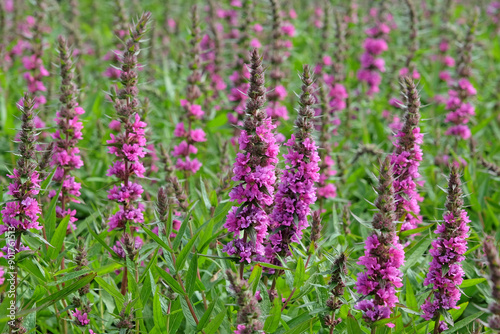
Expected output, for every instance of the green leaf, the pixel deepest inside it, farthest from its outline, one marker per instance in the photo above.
(58, 238)
(159, 319)
(411, 301)
(181, 259)
(206, 316)
(157, 239)
(50, 216)
(414, 253)
(254, 278)
(352, 325)
(204, 195)
(415, 230)
(99, 239)
(191, 275)
(47, 181)
(172, 283)
(300, 274)
(471, 282)
(456, 313)
(112, 290)
(273, 320)
(464, 322)
(268, 265)
(216, 322)
(55, 297)
(151, 263)
(182, 230)
(301, 328)
(187, 313)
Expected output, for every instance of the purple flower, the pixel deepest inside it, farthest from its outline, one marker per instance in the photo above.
(192, 111)
(296, 191)
(22, 213)
(406, 160)
(254, 169)
(66, 155)
(383, 256)
(374, 45)
(448, 249)
(81, 318)
(129, 145)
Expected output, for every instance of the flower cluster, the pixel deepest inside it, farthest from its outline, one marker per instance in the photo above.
(448, 249)
(33, 62)
(82, 319)
(66, 157)
(383, 257)
(129, 145)
(212, 46)
(493, 261)
(254, 168)
(458, 105)
(493, 12)
(371, 64)
(192, 110)
(296, 190)
(22, 213)
(406, 160)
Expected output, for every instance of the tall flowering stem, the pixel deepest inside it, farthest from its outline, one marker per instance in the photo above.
(240, 76)
(409, 68)
(254, 170)
(375, 44)
(493, 261)
(336, 287)
(325, 189)
(212, 56)
(21, 214)
(128, 146)
(66, 157)
(406, 160)
(383, 257)
(33, 63)
(248, 313)
(460, 109)
(448, 249)
(184, 130)
(296, 190)
(279, 44)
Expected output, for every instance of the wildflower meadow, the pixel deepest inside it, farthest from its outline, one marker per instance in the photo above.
(249, 166)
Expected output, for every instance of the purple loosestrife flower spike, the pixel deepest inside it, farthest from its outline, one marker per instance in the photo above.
(375, 44)
(254, 169)
(296, 191)
(383, 257)
(66, 156)
(278, 55)
(129, 145)
(326, 189)
(192, 110)
(460, 109)
(493, 262)
(248, 314)
(22, 213)
(448, 249)
(406, 160)
(240, 76)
